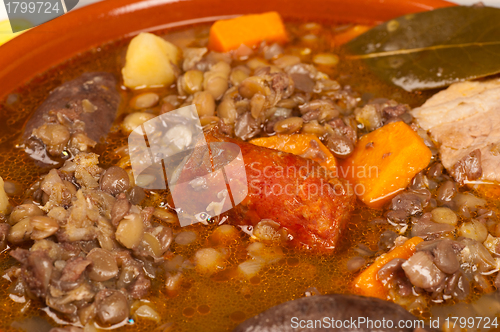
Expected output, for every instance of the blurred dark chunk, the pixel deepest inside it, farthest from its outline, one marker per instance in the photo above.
(445, 257)
(468, 168)
(303, 82)
(140, 287)
(446, 192)
(36, 269)
(339, 145)
(408, 202)
(435, 171)
(395, 111)
(344, 307)
(66, 329)
(74, 269)
(246, 126)
(112, 307)
(387, 240)
(355, 264)
(427, 229)
(114, 180)
(120, 209)
(136, 195)
(4, 231)
(389, 269)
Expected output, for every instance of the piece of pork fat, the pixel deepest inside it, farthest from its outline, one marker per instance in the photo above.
(75, 116)
(464, 121)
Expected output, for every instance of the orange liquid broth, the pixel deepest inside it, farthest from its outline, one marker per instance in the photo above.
(203, 303)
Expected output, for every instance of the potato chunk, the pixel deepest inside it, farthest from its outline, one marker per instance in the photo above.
(4, 200)
(209, 260)
(149, 62)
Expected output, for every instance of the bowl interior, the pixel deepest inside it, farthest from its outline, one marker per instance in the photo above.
(51, 43)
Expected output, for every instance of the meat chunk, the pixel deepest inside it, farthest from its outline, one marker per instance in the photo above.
(311, 204)
(76, 115)
(463, 120)
(36, 269)
(4, 231)
(74, 269)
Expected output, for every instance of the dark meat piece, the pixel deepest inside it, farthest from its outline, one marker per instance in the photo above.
(458, 285)
(66, 329)
(112, 307)
(21, 255)
(497, 281)
(140, 287)
(164, 235)
(303, 82)
(84, 107)
(350, 308)
(393, 272)
(136, 195)
(36, 269)
(147, 215)
(132, 275)
(468, 168)
(387, 239)
(74, 269)
(103, 266)
(394, 111)
(446, 192)
(4, 231)
(295, 192)
(120, 209)
(389, 269)
(246, 127)
(408, 202)
(114, 181)
(427, 229)
(435, 171)
(341, 128)
(445, 255)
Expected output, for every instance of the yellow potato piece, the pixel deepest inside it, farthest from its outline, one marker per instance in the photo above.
(148, 62)
(4, 200)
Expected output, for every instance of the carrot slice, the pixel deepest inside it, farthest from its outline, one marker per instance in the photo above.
(350, 34)
(384, 162)
(368, 283)
(298, 144)
(250, 30)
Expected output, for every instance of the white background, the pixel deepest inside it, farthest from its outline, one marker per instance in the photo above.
(3, 13)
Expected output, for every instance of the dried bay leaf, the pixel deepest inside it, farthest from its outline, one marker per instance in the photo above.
(432, 49)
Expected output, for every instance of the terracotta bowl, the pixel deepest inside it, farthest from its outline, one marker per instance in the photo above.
(49, 44)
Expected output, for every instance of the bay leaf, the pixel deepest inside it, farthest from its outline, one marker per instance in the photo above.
(432, 49)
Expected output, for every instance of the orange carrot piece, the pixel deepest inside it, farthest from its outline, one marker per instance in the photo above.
(350, 34)
(368, 283)
(298, 144)
(384, 162)
(227, 35)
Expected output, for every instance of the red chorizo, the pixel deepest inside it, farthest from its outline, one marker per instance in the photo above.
(298, 193)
